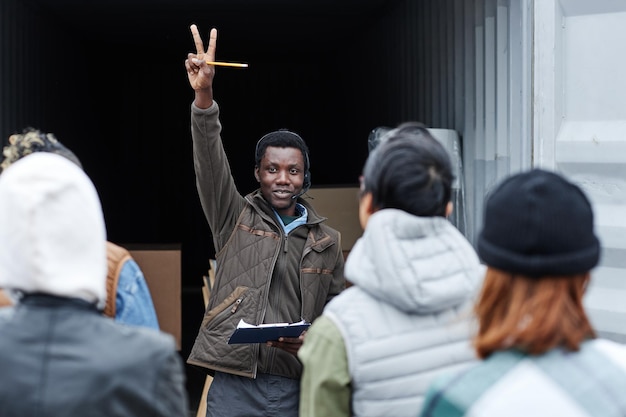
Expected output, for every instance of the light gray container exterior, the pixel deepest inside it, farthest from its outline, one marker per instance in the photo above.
(580, 129)
(525, 84)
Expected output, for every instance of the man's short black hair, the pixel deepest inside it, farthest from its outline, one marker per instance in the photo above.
(284, 138)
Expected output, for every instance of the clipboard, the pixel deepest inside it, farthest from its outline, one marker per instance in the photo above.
(249, 333)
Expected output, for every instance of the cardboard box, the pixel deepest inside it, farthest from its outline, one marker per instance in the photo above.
(161, 266)
(341, 206)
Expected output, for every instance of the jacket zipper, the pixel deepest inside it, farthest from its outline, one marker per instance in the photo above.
(236, 305)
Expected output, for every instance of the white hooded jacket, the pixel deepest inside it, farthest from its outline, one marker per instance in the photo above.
(52, 231)
(59, 355)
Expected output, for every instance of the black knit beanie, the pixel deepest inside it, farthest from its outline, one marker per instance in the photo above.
(537, 223)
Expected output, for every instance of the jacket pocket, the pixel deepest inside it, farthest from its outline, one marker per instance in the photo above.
(227, 308)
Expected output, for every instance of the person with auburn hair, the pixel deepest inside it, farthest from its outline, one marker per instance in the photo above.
(541, 355)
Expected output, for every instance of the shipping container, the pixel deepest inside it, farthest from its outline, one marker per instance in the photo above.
(518, 83)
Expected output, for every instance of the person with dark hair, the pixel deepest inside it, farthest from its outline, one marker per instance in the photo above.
(59, 355)
(277, 261)
(540, 355)
(406, 318)
(128, 297)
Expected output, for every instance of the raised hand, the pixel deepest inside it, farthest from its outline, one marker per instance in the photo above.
(201, 74)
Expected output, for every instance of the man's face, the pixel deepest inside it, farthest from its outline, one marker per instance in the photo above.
(281, 176)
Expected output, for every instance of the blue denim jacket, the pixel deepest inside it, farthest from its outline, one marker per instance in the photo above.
(133, 303)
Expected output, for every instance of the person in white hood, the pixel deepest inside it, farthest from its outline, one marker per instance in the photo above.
(407, 316)
(58, 354)
(128, 295)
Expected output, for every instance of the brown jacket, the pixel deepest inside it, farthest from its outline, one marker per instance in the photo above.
(262, 274)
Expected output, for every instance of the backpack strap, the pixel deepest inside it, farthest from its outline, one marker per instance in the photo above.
(116, 257)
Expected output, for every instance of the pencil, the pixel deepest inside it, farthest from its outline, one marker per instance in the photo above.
(227, 64)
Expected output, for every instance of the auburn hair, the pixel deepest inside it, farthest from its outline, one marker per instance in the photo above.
(531, 314)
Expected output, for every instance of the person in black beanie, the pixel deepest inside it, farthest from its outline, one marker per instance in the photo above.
(541, 355)
(538, 224)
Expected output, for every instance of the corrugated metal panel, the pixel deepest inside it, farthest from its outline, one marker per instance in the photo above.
(583, 135)
(462, 65)
(20, 76)
(472, 66)
(519, 103)
(41, 71)
(9, 19)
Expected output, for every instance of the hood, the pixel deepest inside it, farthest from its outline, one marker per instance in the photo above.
(52, 231)
(418, 264)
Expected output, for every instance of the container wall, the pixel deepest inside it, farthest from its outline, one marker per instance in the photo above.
(582, 130)
(452, 64)
(43, 79)
(461, 65)
(14, 89)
